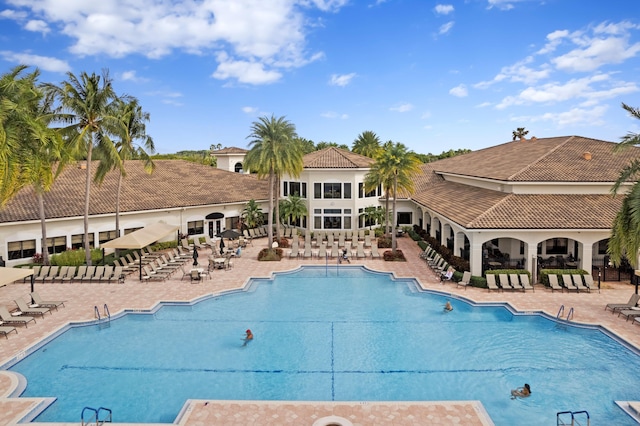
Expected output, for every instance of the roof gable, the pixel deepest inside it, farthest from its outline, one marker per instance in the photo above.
(336, 158)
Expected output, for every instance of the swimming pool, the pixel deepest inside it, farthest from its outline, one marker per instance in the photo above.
(319, 335)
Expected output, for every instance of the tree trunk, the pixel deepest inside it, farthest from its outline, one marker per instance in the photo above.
(277, 201)
(270, 217)
(118, 190)
(394, 218)
(43, 225)
(386, 214)
(87, 188)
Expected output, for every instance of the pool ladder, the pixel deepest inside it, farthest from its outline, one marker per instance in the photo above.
(561, 311)
(105, 311)
(95, 416)
(574, 421)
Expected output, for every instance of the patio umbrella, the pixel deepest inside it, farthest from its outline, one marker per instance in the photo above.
(230, 234)
(221, 245)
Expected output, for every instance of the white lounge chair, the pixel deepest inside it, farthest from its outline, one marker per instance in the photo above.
(526, 283)
(553, 283)
(39, 302)
(491, 282)
(465, 281)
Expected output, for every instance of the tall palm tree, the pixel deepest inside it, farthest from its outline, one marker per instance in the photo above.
(367, 143)
(292, 207)
(86, 109)
(131, 142)
(520, 133)
(625, 231)
(379, 175)
(274, 152)
(398, 165)
(252, 215)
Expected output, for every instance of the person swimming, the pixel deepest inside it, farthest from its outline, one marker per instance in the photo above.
(522, 392)
(448, 307)
(248, 337)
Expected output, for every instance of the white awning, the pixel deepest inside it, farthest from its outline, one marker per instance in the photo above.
(9, 275)
(142, 237)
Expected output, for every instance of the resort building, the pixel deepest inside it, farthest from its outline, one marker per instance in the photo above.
(522, 203)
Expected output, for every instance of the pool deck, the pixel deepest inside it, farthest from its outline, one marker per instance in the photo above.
(80, 300)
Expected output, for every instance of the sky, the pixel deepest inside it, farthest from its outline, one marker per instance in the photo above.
(433, 75)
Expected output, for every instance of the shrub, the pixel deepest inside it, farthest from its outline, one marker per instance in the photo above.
(390, 256)
(384, 242)
(37, 259)
(423, 245)
(283, 242)
(75, 257)
(270, 254)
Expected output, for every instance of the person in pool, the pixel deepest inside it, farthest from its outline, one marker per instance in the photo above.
(522, 392)
(448, 307)
(248, 337)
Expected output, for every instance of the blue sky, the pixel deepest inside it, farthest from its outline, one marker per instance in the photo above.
(432, 75)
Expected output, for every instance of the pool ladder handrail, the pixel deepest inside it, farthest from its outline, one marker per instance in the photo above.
(105, 311)
(574, 421)
(561, 311)
(96, 416)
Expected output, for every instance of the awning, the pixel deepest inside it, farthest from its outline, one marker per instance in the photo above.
(9, 275)
(142, 237)
(214, 216)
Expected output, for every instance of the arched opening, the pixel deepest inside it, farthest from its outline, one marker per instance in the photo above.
(238, 168)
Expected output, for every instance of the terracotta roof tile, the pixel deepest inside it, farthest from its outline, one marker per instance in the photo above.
(174, 183)
(229, 150)
(336, 158)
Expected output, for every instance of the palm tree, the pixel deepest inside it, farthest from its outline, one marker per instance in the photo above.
(132, 128)
(520, 133)
(380, 176)
(252, 215)
(373, 215)
(274, 152)
(367, 143)
(85, 103)
(292, 207)
(625, 231)
(395, 168)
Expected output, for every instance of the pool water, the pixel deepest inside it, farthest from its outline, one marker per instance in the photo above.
(323, 335)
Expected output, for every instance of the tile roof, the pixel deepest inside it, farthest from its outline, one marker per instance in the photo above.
(541, 160)
(229, 150)
(174, 183)
(336, 158)
(557, 159)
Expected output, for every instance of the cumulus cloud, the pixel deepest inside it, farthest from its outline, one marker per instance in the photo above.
(45, 63)
(334, 115)
(260, 41)
(132, 76)
(249, 110)
(443, 9)
(341, 79)
(445, 28)
(38, 26)
(573, 116)
(404, 107)
(459, 91)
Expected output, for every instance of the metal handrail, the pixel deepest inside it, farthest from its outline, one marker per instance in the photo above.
(559, 421)
(580, 412)
(96, 313)
(570, 315)
(106, 419)
(560, 312)
(95, 415)
(107, 314)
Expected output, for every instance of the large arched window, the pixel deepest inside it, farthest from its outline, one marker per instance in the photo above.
(237, 168)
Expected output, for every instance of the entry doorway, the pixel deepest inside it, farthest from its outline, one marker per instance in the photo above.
(214, 228)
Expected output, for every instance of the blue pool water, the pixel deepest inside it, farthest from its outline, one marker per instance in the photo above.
(354, 337)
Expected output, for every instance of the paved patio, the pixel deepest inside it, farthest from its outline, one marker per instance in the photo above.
(81, 299)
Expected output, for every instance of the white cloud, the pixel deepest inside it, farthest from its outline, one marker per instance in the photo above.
(43, 62)
(574, 116)
(443, 9)
(595, 52)
(38, 26)
(261, 41)
(132, 76)
(334, 115)
(459, 91)
(501, 4)
(249, 72)
(405, 107)
(553, 40)
(445, 28)
(249, 110)
(341, 79)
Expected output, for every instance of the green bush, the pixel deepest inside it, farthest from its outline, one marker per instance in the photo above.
(75, 257)
(414, 235)
(390, 256)
(423, 245)
(544, 273)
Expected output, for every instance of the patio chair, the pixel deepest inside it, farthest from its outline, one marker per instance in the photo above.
(360, 251)
(588, 282)
(98, 274)
(515, 282)
(39, 302)
(577, 281)
(18, 319)
(504, 282)
(107, 274)
(330, 239)
(294, 251)
(491, 282)
(195, 276)
(307, 251)
(614, 307)
(25, 309)
(632, 312)
(68, 275)
(553, 283)
(375, 254)
(53, 273)
(466, 279)
(89, 273)
(6, 330)
(44, 271)
(367, 240)
(567, 283)
(82, 270)
(323, 251)
(334, 250)
(341, 240)
(526, 283)
(64, 270)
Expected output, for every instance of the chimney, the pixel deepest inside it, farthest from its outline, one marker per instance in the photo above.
(586, 155)
(82, 165)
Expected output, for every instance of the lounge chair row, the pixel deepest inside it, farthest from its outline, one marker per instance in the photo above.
(509, 282)
(575, 282)
(334, 252)
(629, 310)
(25, 312)
(83, 273)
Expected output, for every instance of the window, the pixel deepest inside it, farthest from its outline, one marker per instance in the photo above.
(195, 227)
(332, 222)
(130, 230)
(404, 218)
(232, 222)
(77, 241)
(294, 188)
(557, 246)
(332, 190)
(56, 245)
(238, 168)
(347, 190)
(347, 222)
(317, 190)
(21, 249)
(105, 236)
(360, 190)
(602, 246)
(317, 222)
